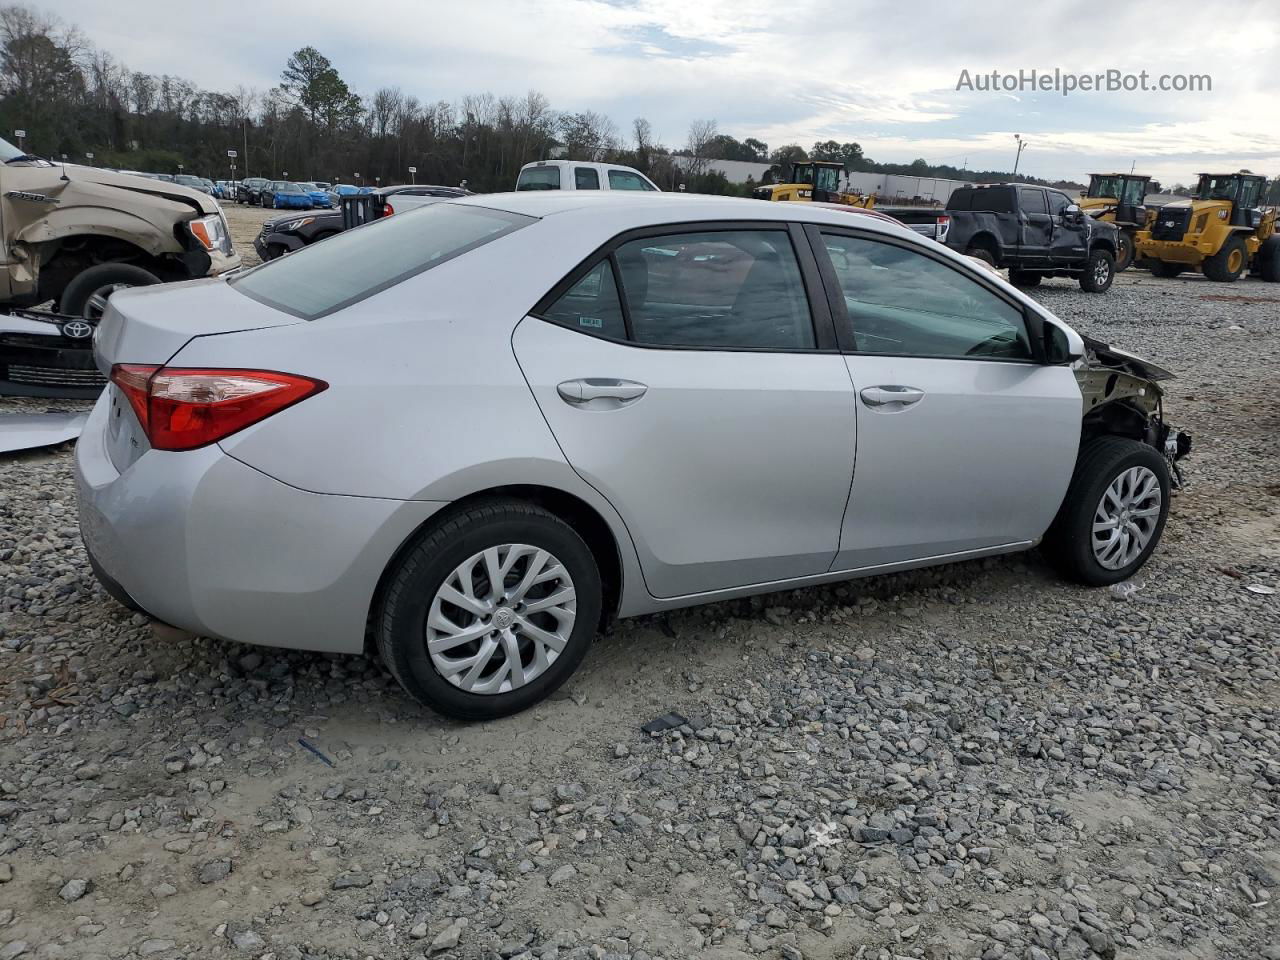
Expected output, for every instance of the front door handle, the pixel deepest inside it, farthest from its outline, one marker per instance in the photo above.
(600, 393)
(891, 396)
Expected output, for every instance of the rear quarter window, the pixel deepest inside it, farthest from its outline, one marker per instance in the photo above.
(539, 178)
(356, 264)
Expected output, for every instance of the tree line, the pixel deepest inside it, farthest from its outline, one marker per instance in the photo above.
(72, 100)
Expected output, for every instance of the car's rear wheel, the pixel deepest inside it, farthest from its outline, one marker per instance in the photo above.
(1113, 514)
(983, 254)
(1166, 270)
(490, 611)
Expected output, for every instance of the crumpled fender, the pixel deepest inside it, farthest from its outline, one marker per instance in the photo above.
(82, 220)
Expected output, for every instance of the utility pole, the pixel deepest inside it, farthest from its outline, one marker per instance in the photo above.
(1022, 145)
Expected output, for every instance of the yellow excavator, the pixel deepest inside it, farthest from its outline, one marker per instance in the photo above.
(1222, 230)
(1119, 198)
(815, 180)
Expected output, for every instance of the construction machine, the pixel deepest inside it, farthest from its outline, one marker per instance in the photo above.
(1222, 230)
(1119, 198)
(815, 180)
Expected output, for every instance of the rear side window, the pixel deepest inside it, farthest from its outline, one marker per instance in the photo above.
(991, 200)
(591, 305)
(585, 178)
(1032, 201)
(356, 264)
(539, 178)
(733, 288)
(626, 180)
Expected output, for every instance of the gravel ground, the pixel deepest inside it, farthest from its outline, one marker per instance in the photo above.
(245, 222)
(972, 761)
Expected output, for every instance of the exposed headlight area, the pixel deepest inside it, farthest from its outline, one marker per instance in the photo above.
(211, 232)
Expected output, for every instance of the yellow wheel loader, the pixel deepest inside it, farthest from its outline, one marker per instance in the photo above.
(1222, 231)
(814, 181)
(1119, 198)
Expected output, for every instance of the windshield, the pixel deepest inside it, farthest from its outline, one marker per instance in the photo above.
(291, 188)
(8, 151)
(187, 181)
(319, 279)
(539, 178)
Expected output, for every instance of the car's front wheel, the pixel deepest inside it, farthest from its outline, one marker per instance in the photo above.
(488, 612)
(1113, 514)
(1099, 272)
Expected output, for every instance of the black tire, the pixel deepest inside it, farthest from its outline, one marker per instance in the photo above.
(981, 253)
(1099, 271)
(1268, 259)
(1124, 251)
(275, 251)
(1068, 542)
(1025, 278)
(421, 569)
(1167, 270)
(77, 294)
(1229, 263)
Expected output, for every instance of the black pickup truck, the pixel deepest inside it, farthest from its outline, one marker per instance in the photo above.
(1034, 231)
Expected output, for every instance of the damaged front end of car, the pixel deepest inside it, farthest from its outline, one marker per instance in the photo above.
(1123, 397)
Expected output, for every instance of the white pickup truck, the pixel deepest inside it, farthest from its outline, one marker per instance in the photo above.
(581, 175)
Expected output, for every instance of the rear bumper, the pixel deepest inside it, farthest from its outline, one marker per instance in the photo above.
(206, 543)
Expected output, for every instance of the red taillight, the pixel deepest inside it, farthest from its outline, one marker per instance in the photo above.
(943, 221)
(182, 408)
(388, 209)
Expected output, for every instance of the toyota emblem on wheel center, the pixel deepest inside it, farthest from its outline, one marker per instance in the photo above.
(77, 329)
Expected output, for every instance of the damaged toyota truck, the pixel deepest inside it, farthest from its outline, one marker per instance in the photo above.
(72, 235)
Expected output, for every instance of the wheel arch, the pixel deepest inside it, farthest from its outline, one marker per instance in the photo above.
(586, 520)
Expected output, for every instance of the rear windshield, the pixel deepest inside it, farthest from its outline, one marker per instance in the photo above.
(325, 277)
(539, 178)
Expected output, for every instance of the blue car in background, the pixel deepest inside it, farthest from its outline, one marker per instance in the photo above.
(286, 196)
(319, 195)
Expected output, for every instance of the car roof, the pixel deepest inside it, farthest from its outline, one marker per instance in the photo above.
(580, 163)
(628, 208)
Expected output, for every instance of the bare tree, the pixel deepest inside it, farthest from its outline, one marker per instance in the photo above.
(701, 133)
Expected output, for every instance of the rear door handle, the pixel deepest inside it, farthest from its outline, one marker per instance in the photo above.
(602, 393)
(891, 396)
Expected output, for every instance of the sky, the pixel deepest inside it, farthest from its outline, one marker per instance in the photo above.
(878, 72)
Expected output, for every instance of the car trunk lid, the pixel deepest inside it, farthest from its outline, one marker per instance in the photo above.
(150, 325)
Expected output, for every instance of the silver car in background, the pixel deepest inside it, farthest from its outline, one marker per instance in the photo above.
(476, 431)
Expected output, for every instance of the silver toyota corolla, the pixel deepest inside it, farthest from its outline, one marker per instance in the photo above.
(472, 433)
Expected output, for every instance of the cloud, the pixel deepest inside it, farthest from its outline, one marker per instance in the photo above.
(880, 72)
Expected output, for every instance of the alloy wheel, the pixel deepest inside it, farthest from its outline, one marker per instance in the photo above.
(501, 618)
(1126, 517)
(1101, 271)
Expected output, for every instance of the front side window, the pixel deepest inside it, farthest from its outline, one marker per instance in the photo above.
(732, 288)
(585, 178)
(626, 180)
(903, 303)
(1058, 203)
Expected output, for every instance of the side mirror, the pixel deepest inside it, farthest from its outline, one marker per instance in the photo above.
(1057, 346)
(1072, 212)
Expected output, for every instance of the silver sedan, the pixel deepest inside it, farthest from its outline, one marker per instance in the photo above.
(475, 432)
